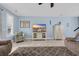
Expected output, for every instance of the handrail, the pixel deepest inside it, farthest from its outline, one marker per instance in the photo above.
(76, 28)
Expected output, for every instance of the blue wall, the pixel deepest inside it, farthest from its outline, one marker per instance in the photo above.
(3, 15)
(69, 24)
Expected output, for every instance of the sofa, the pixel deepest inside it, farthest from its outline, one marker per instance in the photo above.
(5, 47)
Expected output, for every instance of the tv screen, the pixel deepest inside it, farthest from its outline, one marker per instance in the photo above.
(39, 28)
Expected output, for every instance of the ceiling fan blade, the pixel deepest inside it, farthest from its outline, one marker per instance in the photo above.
(40, 3)
(51, 5)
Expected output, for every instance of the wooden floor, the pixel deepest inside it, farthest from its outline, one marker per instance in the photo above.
(37, 44)
(73, 46)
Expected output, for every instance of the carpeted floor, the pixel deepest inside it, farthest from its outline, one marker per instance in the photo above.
(42, 51)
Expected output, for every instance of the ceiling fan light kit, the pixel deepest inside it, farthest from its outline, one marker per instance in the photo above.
(51, 4)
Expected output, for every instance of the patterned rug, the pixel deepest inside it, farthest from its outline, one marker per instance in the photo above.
(42, 51)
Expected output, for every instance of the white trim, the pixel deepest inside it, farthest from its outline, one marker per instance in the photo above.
(37, 38)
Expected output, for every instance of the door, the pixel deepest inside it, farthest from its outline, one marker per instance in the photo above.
(58, 32)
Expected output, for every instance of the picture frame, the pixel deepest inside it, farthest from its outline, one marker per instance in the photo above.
(24, 24)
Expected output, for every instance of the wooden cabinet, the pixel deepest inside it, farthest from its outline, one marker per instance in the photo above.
(39, 31)
(39, 35)
(19, 37)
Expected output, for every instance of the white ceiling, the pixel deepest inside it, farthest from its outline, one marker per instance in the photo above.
(33, 9)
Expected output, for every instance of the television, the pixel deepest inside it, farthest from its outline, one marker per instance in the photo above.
(39, 28)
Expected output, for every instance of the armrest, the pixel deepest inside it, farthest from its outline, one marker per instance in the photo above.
(4, 42)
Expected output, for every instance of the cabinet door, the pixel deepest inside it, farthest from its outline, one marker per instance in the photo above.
(43, 35)
(34, 35)
(39, 35)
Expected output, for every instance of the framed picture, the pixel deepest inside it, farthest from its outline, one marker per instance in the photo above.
(25, 24)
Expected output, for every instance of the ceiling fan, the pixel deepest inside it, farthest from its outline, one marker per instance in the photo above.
(51, 4)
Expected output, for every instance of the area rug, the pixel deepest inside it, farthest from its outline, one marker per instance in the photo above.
(42, 51)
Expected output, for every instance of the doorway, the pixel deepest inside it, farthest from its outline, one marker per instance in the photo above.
(10, 19)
